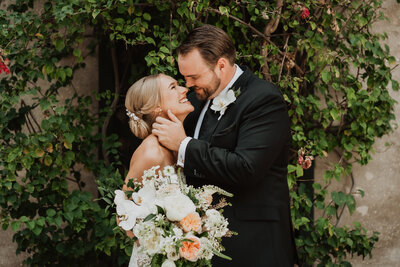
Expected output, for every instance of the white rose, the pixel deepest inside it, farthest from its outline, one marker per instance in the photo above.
(178, 232)
(171, 252)
(153, 241)
(212, 213)
(177, 206)
(168, 263)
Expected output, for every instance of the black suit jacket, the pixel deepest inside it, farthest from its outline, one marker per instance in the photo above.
(247, 154)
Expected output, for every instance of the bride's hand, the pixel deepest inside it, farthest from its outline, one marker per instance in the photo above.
(170, 133)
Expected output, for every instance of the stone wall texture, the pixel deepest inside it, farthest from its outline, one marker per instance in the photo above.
(378, 210)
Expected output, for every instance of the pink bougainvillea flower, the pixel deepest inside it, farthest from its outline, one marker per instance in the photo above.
(4, 67)
(305, 13)
(307, 162)
(304, 161)
(300, 160)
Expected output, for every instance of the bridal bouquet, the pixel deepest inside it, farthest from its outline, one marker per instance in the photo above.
(174, 224)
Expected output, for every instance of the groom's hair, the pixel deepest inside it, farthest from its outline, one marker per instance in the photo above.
(212, 43)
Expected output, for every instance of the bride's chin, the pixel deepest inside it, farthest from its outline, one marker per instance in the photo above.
(184, 115)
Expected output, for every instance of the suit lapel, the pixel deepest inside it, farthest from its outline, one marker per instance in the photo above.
(239, 84)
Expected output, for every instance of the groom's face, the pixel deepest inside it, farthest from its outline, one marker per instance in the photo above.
(203, 79)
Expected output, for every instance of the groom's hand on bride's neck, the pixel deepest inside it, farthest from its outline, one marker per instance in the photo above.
(170, 131)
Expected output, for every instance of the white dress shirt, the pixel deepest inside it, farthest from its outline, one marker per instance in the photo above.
(183, 145)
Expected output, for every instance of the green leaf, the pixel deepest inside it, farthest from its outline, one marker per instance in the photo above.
(335, 114)
(48, 160)
(50, 212)
(299, 171)
(147, 16)
(15, 225)
(95, 13)
(395, 85)
(37, 230)
(44, 104)
(58, 221)
(59, 44)
(164, 49)
(291, 168)
(330, 210)
(160, 210)
(69, 137)
(149, 217)
(30, 224)
(224, 10)
(349, 242)
(326, 76)
(351, 203)
(339, 198)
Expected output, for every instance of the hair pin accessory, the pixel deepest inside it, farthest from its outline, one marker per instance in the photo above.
(132, 115)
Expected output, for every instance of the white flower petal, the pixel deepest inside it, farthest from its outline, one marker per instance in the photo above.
(168, 263)
(177, 206)
(119, 196)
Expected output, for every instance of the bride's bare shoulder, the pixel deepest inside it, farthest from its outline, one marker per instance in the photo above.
(149, 150)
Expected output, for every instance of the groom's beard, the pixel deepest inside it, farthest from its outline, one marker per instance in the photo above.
(205, 93)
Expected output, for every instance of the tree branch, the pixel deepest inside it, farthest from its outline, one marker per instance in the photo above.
(113, 104)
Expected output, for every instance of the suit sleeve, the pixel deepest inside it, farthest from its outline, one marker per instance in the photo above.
(262, 134)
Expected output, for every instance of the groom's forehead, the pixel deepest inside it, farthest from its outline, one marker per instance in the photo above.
(192, 69)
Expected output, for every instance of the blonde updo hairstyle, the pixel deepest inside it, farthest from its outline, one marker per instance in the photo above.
(142, 99)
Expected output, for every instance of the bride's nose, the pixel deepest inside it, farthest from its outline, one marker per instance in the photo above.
(183, 90)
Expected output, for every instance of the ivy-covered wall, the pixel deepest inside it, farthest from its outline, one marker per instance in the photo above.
(379, 209)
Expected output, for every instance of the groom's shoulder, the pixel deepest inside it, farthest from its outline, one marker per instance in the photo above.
(261, 88)
(257, 85)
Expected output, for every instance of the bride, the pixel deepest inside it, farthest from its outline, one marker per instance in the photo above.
(146, 99)
(149, 97)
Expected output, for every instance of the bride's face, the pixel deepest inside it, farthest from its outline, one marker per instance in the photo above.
(173, 97)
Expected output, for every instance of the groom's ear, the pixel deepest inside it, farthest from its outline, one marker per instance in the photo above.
(222, 63)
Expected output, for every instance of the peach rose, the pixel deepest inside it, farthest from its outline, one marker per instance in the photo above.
(190, 250)
(192, 222)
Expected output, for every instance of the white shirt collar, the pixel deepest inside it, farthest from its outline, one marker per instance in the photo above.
(238, 72)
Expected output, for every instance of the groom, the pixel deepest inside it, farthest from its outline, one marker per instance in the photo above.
(238, 139)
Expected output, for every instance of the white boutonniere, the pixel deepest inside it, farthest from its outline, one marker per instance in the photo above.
(222, 101)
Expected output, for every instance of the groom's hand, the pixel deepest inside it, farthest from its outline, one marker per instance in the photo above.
(170, 132)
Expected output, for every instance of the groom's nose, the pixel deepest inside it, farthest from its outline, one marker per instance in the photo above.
(189, 82)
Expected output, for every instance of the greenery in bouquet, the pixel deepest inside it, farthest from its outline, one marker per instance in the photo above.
(173, 223)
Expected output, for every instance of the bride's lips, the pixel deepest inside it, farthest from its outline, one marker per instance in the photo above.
(183, 100)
